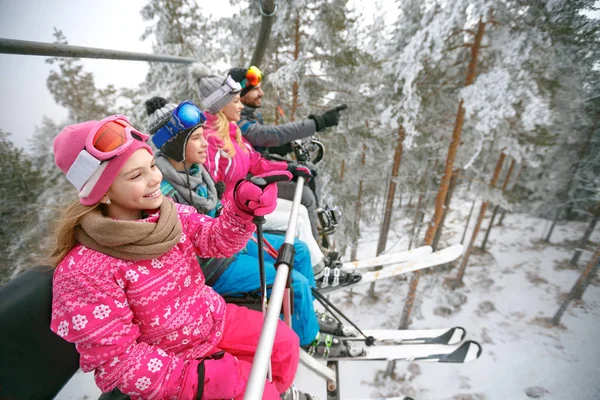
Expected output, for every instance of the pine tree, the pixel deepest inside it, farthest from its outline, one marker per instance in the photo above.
(179, 28)
(20, 186)
(75, 89)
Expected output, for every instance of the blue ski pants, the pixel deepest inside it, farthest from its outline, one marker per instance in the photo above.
(242, 276)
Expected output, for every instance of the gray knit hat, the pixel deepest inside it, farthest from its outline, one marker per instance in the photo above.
(159, 112)
(214, 92)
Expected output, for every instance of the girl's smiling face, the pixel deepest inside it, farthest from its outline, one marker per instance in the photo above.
(136, 188)
(233, 109)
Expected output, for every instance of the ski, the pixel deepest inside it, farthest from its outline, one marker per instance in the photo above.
(449, 336)
(460, 353)
(438, 258)
(387, 259)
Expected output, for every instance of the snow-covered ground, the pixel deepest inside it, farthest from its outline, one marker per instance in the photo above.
(507, 294)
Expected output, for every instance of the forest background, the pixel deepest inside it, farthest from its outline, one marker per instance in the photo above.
(499, 97)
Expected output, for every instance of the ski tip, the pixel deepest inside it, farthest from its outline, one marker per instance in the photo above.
(458, 246)
(458, 335)
(480, 349)
(466, 352)
(473, 352)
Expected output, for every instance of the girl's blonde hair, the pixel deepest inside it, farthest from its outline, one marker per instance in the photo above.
(221, 126)
(65, 230)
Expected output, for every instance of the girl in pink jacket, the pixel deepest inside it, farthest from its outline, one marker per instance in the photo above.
(127, 288)
(231, 157)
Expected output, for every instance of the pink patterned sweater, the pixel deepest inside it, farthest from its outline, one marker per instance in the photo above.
(142, 325)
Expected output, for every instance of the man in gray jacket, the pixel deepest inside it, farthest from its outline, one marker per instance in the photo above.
(264, 136)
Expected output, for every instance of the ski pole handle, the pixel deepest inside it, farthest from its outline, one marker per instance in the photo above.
(262, 182)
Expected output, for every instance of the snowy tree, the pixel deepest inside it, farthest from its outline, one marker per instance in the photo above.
(574, 134)
(180, 28)
(21, 185)
(75, 89)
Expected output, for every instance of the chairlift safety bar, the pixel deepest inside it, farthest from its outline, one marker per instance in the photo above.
(25, 47)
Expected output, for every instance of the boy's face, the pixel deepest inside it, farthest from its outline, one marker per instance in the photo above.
(196, 147)
(254, 97)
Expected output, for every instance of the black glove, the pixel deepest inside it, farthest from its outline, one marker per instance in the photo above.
(220, 187)
(312, 167)
(327, 119)
(299, 170)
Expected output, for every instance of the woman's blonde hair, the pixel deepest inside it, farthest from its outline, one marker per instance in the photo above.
(221, 126)
(65, 230)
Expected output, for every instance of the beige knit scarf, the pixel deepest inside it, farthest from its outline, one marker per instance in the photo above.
(131, 240)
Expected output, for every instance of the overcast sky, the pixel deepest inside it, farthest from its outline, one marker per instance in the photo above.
(108, 24)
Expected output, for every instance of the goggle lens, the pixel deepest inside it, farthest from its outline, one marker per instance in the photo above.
(186, 115)
(111, 136)
(190, 115)
(253, 76)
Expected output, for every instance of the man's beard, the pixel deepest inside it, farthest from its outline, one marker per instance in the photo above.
(253, 105)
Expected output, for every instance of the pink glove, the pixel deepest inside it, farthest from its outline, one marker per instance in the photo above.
(225, 378)
(257, 195)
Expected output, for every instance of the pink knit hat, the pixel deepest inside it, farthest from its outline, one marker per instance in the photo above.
(99, 176)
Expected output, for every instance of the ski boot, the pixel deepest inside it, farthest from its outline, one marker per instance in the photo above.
(329, 217)
(328, 324)
(294, 394)
(332, 274)
(326, 345)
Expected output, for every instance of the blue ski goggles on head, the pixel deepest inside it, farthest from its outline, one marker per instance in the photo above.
(187, 115)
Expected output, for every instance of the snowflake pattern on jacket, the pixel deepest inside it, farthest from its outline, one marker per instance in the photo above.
(142, 325)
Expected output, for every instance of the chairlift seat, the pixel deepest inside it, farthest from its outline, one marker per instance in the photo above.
(36, 363)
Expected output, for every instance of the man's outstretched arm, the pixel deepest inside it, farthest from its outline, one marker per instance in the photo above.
(276, 135)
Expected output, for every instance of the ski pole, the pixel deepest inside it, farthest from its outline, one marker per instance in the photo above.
(259, 222)
(256, 381)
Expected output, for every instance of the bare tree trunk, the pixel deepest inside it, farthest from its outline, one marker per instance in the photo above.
(359, 205)
(586, 235)
(415, 221)
(511, 188)
(400, 198)
(422, 184)
(579, 287)
(452, 149)
(484, 205)
(295, 86)
(504, 185)
(423, 208)
(276, 89)
(579, 293)
(373, 208)
(389, 204)
(502, 217)
(445, 181)
(462, 240)
(554, 220)
(585, 148)
(409, 205)
(438, 233)
(489, 229)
